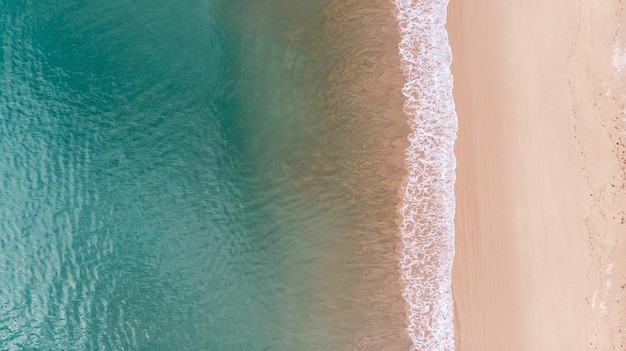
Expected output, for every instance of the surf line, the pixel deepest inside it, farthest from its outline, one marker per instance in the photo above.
(427, 205)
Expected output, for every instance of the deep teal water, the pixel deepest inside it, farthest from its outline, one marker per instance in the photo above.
(147, 201)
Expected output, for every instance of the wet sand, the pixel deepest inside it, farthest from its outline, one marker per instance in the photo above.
(541, 236)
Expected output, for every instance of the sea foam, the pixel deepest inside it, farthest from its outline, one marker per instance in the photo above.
(427, 206)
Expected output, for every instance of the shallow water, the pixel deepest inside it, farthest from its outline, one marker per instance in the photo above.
(186, 175)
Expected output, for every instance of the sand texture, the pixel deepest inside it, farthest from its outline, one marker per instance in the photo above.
(541, 250)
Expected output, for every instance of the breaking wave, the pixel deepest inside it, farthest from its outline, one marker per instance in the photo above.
(427, 205)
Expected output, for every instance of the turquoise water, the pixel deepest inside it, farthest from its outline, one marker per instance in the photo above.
(154, 191)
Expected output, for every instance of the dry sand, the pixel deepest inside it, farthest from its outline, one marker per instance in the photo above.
(541, 234)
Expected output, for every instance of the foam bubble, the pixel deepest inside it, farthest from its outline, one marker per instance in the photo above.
(427, 207)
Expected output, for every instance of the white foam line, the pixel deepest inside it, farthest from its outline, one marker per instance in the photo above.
(428, 203)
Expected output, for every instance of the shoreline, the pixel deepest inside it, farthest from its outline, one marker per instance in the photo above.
(540, 179)
(426, 199)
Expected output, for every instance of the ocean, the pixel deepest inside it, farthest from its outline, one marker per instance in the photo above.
(220, 175)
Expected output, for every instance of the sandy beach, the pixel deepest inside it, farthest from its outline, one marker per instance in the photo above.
(540, 231)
